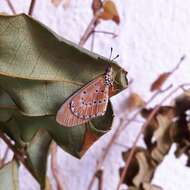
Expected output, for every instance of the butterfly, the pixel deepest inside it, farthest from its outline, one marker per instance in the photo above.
(87, 103)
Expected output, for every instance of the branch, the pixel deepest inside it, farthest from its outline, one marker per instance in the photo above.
(31, 9)
(11, 6)
(5, 155)
(88, 31)
(17, 153)
(54, 167)
(99, 175)
(105, 32)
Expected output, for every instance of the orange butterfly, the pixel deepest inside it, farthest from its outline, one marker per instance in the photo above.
(89, 102)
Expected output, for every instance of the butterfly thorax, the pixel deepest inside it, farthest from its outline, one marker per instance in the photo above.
(108, 77)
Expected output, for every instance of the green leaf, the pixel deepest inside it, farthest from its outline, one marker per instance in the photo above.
(40, 70)
(9, 176)
(37, 153)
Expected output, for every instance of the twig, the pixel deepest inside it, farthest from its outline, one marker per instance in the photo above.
(54, 167)
(88, 31)
(5, 155)
(152, 114)
(11, 6)
(105, 32)
(178, 64)
(92, 42)
(99, 175)
(32, 4)
(17, 153)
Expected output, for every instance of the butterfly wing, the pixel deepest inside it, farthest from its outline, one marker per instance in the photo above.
(66, 118)
(84, 104)
(91, 101)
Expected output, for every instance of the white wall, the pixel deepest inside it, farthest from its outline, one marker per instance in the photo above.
(152, 37)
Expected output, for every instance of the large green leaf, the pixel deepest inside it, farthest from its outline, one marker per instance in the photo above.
(38, 72)
(9, 176)
(39, 69)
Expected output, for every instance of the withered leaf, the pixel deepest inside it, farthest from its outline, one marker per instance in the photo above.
(109, 12)
(96, 6)
(135, 101)
(157, 84)
(148, 186)
(56, 2)
(180, 133)
(162, 138)
(167, 111)
(141, 167)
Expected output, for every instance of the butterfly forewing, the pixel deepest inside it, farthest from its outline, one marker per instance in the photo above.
(66, 118)
(92, 100)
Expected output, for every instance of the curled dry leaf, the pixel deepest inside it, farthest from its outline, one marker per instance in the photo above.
(96, 6)
(157, 84)
(141, 168)
(166, 111)
(135, 101)
(162, 138)
(109, 12)
(181, 132)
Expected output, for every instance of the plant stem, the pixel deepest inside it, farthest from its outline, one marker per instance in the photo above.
(17, 154)
(5, 155)
(31, 9)
(54, 167)
(88, 31)
(11, 6)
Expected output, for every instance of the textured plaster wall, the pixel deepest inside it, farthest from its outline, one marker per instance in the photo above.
(152, 36)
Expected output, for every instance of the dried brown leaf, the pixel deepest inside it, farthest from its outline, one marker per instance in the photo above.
(148, 186)
(135, 101)
(141, 168)
(162, 140)
(109, 12)
(180, 133)
(166, 111)
(56, 2)
(157, 84)
(96, 6)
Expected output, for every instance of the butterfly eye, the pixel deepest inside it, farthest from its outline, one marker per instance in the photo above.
(84, 92)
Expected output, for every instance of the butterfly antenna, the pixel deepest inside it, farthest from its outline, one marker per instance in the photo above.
(115, 57)
(111, 51)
